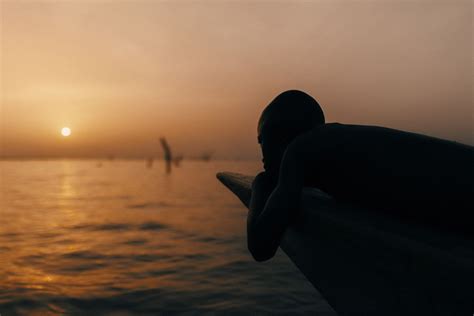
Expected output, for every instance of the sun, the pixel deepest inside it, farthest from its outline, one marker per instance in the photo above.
(65, 131)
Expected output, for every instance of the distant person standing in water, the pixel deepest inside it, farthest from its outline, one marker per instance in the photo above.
(412, 176)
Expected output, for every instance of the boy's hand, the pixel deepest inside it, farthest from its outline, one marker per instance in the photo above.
(263, 184)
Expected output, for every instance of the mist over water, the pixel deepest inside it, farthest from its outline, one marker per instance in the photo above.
(126, 240)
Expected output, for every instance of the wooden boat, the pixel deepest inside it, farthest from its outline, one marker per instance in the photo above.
(364, 263)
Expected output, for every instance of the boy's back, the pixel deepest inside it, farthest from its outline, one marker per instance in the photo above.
(404, 173)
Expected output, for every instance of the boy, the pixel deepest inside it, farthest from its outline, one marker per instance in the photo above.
(413, 176)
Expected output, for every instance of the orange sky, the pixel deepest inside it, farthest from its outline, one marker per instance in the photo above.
(121, 74)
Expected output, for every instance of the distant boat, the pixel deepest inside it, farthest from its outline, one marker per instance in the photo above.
(365, 263)
(206, 156)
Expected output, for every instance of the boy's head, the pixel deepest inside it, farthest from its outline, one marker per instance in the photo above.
(290, 114)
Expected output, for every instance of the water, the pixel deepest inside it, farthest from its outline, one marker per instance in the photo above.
(122, 239)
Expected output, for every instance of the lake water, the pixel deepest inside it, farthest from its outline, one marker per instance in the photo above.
(80, 238)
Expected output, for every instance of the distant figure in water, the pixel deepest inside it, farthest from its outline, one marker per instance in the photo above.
(411, 176)
(168, 157)
(149, 162)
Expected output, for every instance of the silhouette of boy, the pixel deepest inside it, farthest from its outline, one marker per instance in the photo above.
(411, 176)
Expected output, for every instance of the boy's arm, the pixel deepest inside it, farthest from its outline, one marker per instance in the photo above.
(272, 210)
(262, 187)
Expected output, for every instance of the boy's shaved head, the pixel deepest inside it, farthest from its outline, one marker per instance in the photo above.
(292, 109)
(290, 114)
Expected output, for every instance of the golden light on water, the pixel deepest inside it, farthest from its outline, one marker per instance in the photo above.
(65, 131)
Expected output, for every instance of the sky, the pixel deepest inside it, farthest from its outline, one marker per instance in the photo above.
(121, 74)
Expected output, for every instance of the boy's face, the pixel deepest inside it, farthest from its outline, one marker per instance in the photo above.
(273, 143)
(290, 114)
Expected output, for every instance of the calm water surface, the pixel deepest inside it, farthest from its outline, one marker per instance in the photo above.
(122, 239)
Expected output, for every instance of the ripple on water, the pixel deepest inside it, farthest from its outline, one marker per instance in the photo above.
(81, 267)
(149, 205)
(153, 273)
(5, 248)
(135, 242)
(150, 257)
(89, 255)
(151, 226)
(48, 235)
(145, 226)
(112, 226)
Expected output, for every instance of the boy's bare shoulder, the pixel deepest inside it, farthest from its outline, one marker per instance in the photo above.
(319, 138)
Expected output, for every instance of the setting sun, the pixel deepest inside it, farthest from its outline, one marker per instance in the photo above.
(65, 131)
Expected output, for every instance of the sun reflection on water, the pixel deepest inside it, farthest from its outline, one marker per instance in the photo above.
(131, 239)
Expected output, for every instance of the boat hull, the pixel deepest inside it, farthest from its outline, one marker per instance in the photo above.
(366, 264)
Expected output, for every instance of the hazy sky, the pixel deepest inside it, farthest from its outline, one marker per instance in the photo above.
(122, 73)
